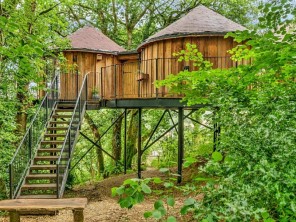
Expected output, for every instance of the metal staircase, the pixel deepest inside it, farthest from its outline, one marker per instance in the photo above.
(40, 165)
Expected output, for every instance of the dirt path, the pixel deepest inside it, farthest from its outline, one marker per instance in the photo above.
(102, 207)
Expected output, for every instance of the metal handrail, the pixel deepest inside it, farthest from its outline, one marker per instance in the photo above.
(81, 108)
(29, 152)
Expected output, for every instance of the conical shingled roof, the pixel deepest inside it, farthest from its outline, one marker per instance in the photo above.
(199, 21)
(92, 39)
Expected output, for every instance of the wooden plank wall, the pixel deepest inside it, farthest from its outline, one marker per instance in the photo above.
(108, 75)
(120, 79)
(78, 64)
(157, 63)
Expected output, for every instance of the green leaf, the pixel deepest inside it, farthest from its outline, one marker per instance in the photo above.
(164, 170)
(184, 210)
(138, 197)
(147, 214)
(145, 188)
(126, 202)
(168, 184)
(171, 219)
(113, 191)
(162, 210)
(265, 215)
(157, 180)
(158, 204)
(189, 201)
(156, 214)
(217, 156)
(120, 190)
(171, 201)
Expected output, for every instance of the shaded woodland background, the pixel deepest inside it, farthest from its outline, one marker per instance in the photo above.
(32, 32)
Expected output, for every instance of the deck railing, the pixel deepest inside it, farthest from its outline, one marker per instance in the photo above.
(26, 151)
(63, 162)
(136, 79)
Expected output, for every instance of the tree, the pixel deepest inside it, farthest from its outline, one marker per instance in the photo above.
(28, 38)
(26, 41)
(130, 22)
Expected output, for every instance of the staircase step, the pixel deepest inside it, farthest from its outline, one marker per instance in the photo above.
(64, 110)
(54, 135)
(49, 150)
(41, 176)
(44, 167)
(48, 186)
(53, 142)
(46, 158)
(66, 105)
(37, 197)
(61, 116)
(57, 128)
(59, 122)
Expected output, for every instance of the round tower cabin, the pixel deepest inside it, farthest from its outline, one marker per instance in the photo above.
(202, 27)
(90, 51)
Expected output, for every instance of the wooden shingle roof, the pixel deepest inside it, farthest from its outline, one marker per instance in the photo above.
(92, 39)
(199, 21)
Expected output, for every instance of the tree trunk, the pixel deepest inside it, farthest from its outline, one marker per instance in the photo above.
(21, 116)
(116, 142)
(132, 135)
(129, 39)
(96, 134)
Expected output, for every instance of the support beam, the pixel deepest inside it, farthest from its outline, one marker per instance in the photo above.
(173, 121)
(180, 142)
(154, 130)
(172, 127)
(108, 154)
(217, 131)
(139, 142)
(124, 149)
(196, 121)
(95, 144)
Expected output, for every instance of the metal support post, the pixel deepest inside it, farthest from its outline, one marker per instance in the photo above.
(30, 143)
(115, 81)
(10, 181)
(156, 67)
(217, 131)
(125, 131)
(139, 142)
(102, 93)
(180, 142)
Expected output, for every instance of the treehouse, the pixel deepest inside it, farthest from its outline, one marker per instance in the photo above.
(201, 26)
(90, 51)
(122, 79)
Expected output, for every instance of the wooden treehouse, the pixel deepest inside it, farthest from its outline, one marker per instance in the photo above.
(122, 79)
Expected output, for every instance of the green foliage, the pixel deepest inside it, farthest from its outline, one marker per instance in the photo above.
(255, 106)
(132, 192)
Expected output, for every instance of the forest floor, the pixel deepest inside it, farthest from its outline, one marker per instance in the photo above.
(103, 207)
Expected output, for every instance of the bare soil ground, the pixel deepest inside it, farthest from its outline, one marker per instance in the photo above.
(102, 207)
